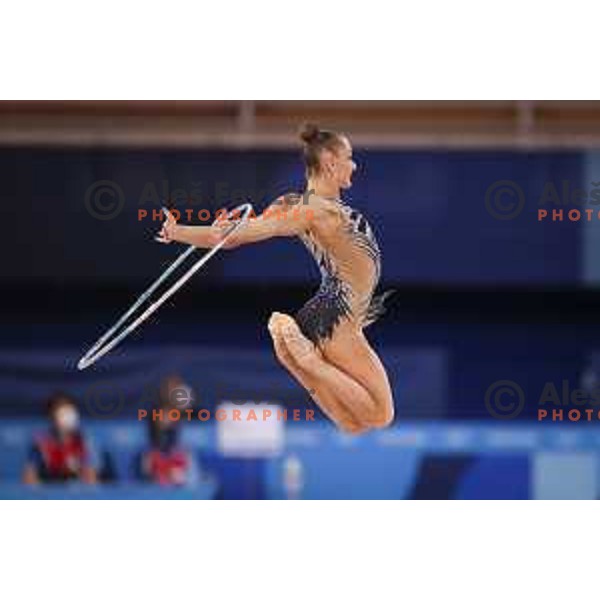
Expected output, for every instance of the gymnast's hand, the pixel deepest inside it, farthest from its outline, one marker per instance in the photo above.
(221, 226)
(167, 233)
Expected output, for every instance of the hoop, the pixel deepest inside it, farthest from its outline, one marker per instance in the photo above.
(105, 344)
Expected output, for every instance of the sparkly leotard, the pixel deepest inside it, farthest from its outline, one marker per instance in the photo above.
(335, 297)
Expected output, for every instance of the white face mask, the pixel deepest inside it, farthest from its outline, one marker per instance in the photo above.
(67, 419)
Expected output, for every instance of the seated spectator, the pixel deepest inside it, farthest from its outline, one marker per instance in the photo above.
(62, 453)
(166, 461)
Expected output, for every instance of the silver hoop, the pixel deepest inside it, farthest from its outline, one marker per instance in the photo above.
(105, 344)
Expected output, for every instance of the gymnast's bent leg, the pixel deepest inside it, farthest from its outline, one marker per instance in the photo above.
(345, 376)
(327, 401)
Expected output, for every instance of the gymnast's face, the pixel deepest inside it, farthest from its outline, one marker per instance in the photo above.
(339, 164)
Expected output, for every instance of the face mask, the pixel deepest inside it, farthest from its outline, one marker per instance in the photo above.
(67, 419)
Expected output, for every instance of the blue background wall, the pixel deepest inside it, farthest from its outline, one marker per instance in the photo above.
(427, 208)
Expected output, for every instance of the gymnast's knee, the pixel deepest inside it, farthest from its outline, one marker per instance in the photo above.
(381, 417)
(353, 428)
(377, 419)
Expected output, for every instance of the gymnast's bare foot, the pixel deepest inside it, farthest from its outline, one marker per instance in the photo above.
(281, 350)
(277, 324)
(284, 328)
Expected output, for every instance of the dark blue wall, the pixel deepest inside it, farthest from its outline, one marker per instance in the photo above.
(427, 208)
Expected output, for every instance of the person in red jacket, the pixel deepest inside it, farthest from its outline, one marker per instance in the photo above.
(166, 461)
(62, 453)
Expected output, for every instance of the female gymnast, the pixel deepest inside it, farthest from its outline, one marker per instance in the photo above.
(323, 347)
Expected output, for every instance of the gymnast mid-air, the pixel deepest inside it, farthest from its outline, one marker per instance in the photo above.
(323, 347)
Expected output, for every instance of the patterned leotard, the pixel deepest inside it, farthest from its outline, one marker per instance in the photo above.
(333, 301)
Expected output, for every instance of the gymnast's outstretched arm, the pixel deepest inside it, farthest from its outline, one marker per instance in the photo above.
(277, 220)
